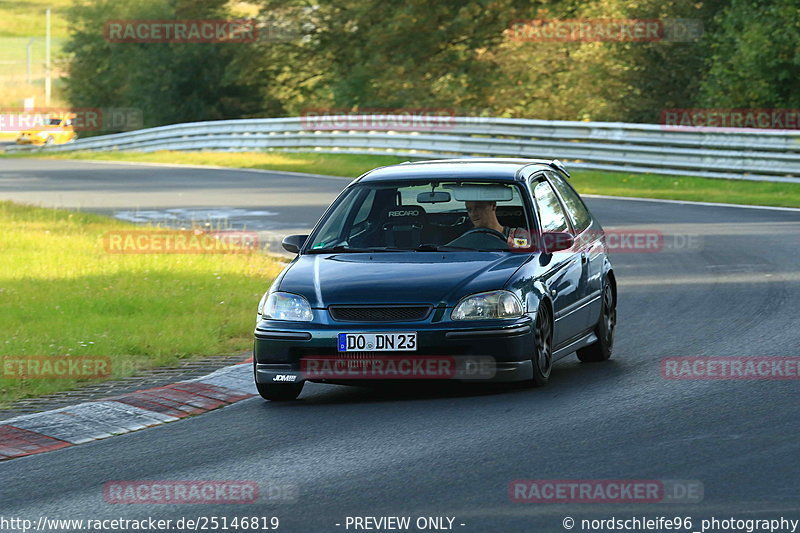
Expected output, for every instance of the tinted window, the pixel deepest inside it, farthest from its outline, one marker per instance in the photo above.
(362, 223)
(392, 216)
(366, 208)
(575, 208)
(550, 211)
(333, 227)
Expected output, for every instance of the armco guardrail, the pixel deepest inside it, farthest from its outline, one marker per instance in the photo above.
(760, 155)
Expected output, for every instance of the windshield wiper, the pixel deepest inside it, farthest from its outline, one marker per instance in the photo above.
(426, 247)
(340, 249)
(446, 248)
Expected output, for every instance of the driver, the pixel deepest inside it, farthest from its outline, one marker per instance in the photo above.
(483, 214)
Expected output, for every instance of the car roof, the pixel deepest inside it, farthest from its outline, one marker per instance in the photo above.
(495, 169)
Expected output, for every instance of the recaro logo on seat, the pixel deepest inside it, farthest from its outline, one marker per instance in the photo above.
(409, 213)
(284, 377)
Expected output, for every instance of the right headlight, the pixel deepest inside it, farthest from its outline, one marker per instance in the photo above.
(494, 304)
(285, 306)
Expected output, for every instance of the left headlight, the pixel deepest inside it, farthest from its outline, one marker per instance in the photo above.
(285, 306)
(494, 304)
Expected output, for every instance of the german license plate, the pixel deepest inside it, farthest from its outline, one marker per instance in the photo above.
(378, 342)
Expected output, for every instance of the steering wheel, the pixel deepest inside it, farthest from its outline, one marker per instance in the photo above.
(487, 231)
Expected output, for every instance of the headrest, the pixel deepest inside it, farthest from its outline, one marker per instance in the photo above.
(403, 214)
(511, 215)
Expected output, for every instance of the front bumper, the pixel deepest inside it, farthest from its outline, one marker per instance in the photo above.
(280, 347)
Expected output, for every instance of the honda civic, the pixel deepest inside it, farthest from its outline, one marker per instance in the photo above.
(476, 270)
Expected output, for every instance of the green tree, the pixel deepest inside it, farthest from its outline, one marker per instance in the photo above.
(755, 61)
(168, 82)
(373, 53)
(603, 81)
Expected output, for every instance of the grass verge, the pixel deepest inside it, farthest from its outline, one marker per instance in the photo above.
(26, 18)
(586, 181)
(64, 296)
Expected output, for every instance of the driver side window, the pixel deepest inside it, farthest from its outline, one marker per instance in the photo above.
(550, 211)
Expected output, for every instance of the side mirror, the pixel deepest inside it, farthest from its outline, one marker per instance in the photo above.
(293, 243)
(557, 241)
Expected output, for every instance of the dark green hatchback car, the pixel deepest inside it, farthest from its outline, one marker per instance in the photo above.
(466, 269)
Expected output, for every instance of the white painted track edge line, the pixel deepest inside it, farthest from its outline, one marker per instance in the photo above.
(691, 202)
(205, 167)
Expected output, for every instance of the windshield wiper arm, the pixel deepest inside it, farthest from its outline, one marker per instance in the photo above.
(338, 249)
(444, 248)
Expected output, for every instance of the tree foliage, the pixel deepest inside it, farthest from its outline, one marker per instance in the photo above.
(755, 60)
(454, 54)
(167, 82)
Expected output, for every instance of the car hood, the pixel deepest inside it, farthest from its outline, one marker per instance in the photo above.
(397, 277)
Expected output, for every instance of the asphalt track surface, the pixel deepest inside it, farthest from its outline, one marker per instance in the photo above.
(420, 452)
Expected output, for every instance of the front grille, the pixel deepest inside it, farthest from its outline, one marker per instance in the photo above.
(397, 313)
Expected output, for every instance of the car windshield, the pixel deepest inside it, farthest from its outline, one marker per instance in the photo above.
(425, 216)
(53, 121)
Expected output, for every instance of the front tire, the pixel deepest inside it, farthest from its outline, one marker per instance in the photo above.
(543, 357)
(279, 392)
(601, 350)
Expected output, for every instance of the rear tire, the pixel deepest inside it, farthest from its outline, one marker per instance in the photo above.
(279, 392)
(543, 356)
(601, 350)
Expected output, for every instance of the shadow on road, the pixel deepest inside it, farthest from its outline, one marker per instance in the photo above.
(568, 377)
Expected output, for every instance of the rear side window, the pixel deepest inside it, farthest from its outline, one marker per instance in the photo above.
(550, 211)
(581, 219)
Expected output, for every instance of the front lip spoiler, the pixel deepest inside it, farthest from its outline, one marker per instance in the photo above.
(516, 330)
(282, 335)
(504, 371)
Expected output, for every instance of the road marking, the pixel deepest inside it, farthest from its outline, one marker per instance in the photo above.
(211, 167)
(689, 202)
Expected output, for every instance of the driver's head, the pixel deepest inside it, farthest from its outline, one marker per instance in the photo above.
(482, 214)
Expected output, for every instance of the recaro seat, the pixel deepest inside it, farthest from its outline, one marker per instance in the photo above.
(512, 216)
(402, 226)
